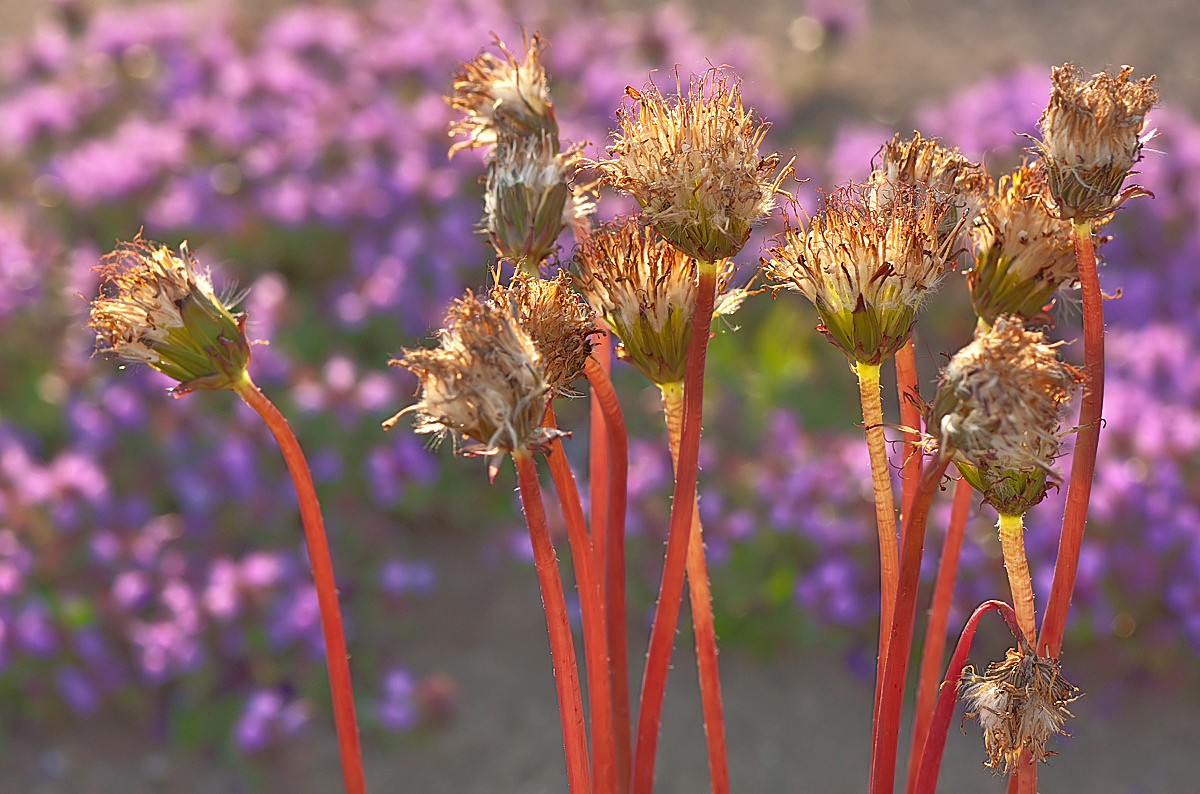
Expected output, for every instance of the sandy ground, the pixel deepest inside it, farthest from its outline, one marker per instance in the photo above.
(800, 722)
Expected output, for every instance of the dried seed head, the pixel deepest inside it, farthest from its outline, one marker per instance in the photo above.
(558, 322)
(866, 264)
(485, 381)
(157, 308)
(997, 412)
(925, 163)
(1091, 137)
(502, 96)
(1022, 253)
(692, 163)
(1020, 702)
(644, 288)
(529, 201)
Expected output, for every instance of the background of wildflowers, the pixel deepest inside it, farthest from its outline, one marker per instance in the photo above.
(150, 568)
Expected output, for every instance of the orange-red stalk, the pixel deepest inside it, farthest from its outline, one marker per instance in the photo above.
(598, 452)
(910, 417)
(666, 615)
(336, 660)
(562, 648)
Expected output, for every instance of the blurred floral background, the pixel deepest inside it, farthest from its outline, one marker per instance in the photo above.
(152, 584)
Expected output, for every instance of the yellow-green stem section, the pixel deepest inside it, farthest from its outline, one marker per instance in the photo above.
(885, 507)
(1012, 541)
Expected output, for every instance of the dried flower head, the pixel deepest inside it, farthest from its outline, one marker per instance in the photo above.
(1020, 702)
(157, 308)
(1091, 137)
(691, 161)
(502, 96)
(1022, 253)
(645, 288)
(484, 382)
(866, 265)
(529, 200)
(558, 322)
(997, 412)
(925, 163)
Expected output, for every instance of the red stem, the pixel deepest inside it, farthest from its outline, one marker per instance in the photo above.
(683, 498)
(886, 726)
(910, 416)
(1083, 464)
(562, 648)
(336, 659)
(935, 745)
(598, 451)
(935, 635)
(591, 605)
(614, 563)
(703, 627)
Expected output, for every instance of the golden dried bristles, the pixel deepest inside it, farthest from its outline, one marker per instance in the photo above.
(1020, 702)
(528, 200)
(558, 322)
(485, 381)
(501, 96)
(866, 264)
(691, 161)
(1022, 253)
(923, 162)
(157, 308)
(645, 290)
(1091, 137)
(997, 412)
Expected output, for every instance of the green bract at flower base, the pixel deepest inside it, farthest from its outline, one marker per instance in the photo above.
(156, 308)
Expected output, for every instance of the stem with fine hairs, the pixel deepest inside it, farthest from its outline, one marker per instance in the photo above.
(910, 417)
(935, 745)
(1083, 462)
(702, 612)
(683, 499)
(885, 729)
(336, 659)
(885, 507)
(591, 608)
(1012, 542)
(614, 563)
(562, 647)
(935, 634)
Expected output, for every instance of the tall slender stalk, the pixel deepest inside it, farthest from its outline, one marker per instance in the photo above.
(1083, 463)
(336, 659)
(562, 648)
(666, 615)
(886, 726)
(614, 564)
(598, 452)
(591, 607)
(885, 507)
(910, 417)
(1012, 542)
(702, 612)
(935, 634)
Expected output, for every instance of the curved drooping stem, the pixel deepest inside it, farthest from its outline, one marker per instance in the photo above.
(683, 498)
(1083, 463)
(935, 744)
(562, 648)
(935, 634)
(336, 660)
(702, 612)
(614, 562)
(886, 726)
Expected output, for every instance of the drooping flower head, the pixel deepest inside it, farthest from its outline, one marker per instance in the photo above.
(691, 160)
(1022, 253)
(529, 200)
(501, 96)
(866, 264)
(1091, 137)
(997, 412)
(484, 382)
(645, 290)
(156, 307)
(557, 321)
(1020, 702)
